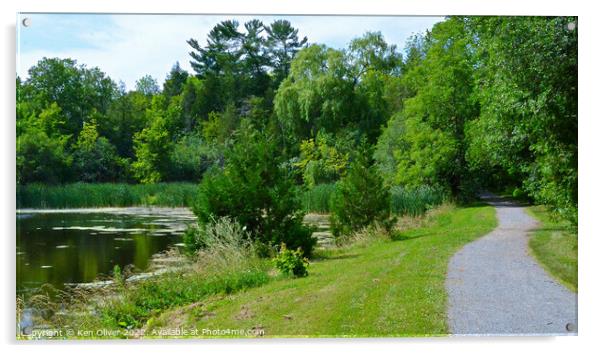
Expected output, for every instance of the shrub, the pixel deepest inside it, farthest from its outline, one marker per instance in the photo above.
(360, 198)
(221, 243)
(256, 190)
(291, 262)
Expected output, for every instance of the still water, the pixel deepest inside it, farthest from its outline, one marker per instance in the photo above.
(76, 246)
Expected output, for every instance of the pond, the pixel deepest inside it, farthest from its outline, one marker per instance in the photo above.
(62, 247)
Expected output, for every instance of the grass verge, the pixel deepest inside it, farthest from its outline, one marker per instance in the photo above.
(554, 245)
(375, 289)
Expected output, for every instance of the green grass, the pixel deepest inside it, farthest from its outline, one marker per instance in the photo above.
(554, 245)
(133, 305)
(383, 288)
(140, 303)
(81, 195)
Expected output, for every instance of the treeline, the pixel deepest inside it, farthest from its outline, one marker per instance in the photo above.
(76, 124)
(475, 102)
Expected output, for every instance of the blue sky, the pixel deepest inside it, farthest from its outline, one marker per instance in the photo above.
(128, 47)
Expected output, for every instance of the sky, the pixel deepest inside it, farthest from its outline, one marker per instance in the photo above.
(127, 47)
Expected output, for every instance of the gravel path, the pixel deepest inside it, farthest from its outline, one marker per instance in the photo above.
(495, 287)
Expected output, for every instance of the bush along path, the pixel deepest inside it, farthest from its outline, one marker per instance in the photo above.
(496, 287)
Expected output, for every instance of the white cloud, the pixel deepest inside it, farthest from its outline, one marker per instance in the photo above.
(136, 45)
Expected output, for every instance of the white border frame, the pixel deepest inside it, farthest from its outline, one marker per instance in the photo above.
(589, 137)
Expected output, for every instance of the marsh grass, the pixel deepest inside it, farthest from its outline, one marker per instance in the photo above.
(404, 201)
(81, 195)
(416, 201)
(317, 199)
(413, 202)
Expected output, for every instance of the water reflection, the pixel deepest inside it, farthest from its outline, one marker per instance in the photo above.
(61, 247)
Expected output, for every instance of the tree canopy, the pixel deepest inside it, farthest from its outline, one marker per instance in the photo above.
(476, 102)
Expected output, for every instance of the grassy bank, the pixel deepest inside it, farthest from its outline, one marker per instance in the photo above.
(81, 195)
(379, 288)
(554, 244)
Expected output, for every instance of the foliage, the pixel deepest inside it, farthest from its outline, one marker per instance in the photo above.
(118, 276)
(388, 147)
(174, 83)
(95, 158)
(126, 116)
(321, 161)
(256, 191)
(316, 95)
(197, 101)
(219, 126)
(527, 128)
(478, 102)
(147, 85)
(41, 158)
(236, 63)
(152, 146)
(291, 262)
(190, 157)
(76, 89)
(360, 198)
(430, 130)
(330, 89)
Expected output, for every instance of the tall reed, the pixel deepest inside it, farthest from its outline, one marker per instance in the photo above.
(317, 199)
(81, 195)
(416, 201)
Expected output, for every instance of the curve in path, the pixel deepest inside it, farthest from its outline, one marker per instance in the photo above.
(495, 287)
